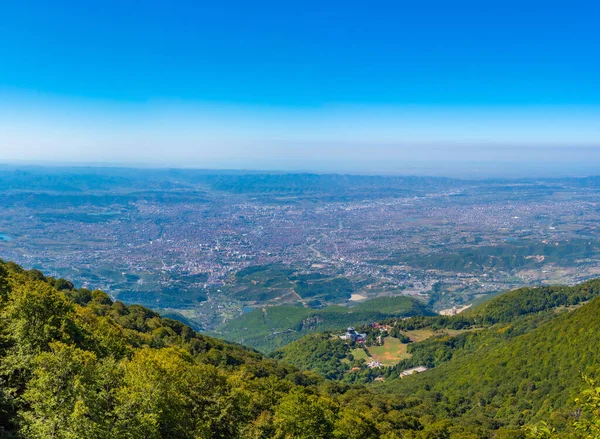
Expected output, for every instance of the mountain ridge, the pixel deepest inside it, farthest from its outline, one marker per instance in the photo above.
(75, 364)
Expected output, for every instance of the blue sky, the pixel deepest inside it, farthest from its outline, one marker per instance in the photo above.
(314, 85)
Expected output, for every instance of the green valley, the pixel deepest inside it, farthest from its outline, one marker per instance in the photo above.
(268, 328)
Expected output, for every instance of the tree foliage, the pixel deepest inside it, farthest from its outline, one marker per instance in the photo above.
(74, 365)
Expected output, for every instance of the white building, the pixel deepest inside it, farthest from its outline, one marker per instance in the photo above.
(417, 369)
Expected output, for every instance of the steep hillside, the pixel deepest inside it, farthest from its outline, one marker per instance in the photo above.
(268, 328)
(520, 361)
(436, 339)
(522, 301)
(74, 364)
(525, 378)
(322, 353)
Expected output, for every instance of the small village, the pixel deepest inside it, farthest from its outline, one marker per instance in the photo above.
(379, 349)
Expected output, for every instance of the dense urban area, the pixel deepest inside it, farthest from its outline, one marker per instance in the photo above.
(211, 246)
(360, 307)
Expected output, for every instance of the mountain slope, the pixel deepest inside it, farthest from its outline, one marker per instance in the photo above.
(526, 378)
(271, 327)
(522, 362)
(525, 308)
(74, 364)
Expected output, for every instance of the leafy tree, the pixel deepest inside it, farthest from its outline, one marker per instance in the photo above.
(302, 416)
(4, 286)
(589, 401)
(541, 431)
(164, 394)
(37, 314)
(351, 424)
(71, 395)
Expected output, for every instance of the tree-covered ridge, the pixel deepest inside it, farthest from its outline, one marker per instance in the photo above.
(524, 308)
(269, 328)
(323, 353)
(529, 377)
(528, 300)
(74, 364)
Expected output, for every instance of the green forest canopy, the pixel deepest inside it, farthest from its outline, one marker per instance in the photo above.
(74, 364)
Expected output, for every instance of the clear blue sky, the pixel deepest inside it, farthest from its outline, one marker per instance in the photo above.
(202, 83)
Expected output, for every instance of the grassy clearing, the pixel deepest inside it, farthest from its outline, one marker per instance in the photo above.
(359, 354)
(418, 335)
(455, 332)
(390, 353)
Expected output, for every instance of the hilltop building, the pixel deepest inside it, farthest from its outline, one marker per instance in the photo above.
(352, 335)
(374, 364)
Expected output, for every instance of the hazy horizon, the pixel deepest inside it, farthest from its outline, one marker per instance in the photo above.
(460, 170)
(435, 89)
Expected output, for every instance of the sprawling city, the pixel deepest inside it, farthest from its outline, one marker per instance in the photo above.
(211, 246)
(299, 219)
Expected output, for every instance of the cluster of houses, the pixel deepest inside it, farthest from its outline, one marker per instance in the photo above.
(352, 335)
(382, 328)
(374, 364)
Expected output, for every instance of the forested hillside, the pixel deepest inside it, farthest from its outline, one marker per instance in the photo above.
(525, 378)
(522, 301)
(269, 328)
(524, 308)
(74, 364)
(523, 362)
